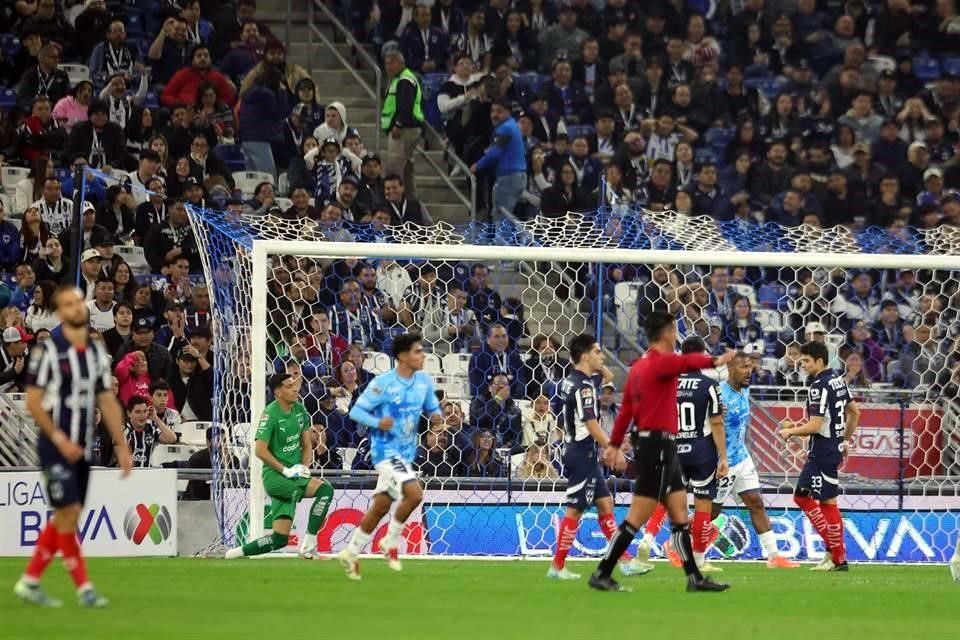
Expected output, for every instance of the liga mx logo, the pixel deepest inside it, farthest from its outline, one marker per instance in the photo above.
(144, 521)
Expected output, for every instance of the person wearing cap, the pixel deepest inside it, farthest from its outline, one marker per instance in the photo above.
(911, 175)
(932, 186)
(101, 142)
(864, 175)
(941, 150)
(90, 271)
(862, 118)
(347, 192)
(371, 192)
(159, 361)
(13, 354)
(191, 384)
(88, 228)
(889, 150)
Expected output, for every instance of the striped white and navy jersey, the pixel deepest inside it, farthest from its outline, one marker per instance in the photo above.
(827, 398)
(70, 378)
(579, 394)
(141, 442)
(698, 400)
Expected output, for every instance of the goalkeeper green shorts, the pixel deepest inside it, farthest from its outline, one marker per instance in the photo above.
(284, 493)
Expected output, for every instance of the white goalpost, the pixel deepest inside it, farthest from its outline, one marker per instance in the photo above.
(564, 288)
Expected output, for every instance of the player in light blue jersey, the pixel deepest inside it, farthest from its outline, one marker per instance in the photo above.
(743, 479)
(390, 408)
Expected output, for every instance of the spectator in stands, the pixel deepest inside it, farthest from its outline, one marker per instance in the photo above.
(347, 192)
(561, 39)
(34, 234)
(454, 95)
(472, 41)
(841, 205)
(132, 376)
(55, 210)
(347, 388)
(191, 383)
(495, 358)
(566, 97)
(275, 58)
(507, 157)
(402, 208)
(301, 209)
(564, 195)
(425, 47)
(101, 307)
(159, 400)
(40, 135)
(22, 295)
(888, 329)
(172, 239)
(325, 455)
(183, 86)
(11, 249)
(208, 166)
(859, 301)
(88, 229)
(170, 50)
(324, 344)
(114, 55)
(484, 301)
(743, 328)
(873, 356)
(422, 308)
(353, 321)
(921, 362)
(402, 117)
(214, 111)
(263, 109)
(861, 118)
(230, 29)
(13, 355)
(773, 176)
(853, 373)
(483, 460)
(199, 31)
(436, 456)
(100, 141)
(46, 79)
(144, 431)
(74, 108)
(40, 314)
(151, 212)
(117, 336)
(540, 424)
(544, 370)
(722, 295)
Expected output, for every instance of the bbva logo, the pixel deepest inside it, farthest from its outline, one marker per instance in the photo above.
(144, 521)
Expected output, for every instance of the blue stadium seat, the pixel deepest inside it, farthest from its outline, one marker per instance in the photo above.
(576, 130)
(925, 68)
(136, 23)
(951, 65)
(232, 156)
(8, 99)
(431, 87)
(10, 44)
(705, 155)
(529, 83)
(151, 100)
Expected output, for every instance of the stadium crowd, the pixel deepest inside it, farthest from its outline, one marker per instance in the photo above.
(807, 113)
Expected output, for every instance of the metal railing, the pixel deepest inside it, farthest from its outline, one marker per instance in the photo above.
(471, 202)
(18, 433)
(313, 31)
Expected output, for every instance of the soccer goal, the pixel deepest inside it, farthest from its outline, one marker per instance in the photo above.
(323, 301)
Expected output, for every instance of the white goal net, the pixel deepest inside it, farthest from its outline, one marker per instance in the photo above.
(323, 301)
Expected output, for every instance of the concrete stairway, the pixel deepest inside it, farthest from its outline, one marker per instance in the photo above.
(334, 82)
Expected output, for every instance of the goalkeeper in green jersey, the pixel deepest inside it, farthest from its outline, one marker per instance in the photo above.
(283, 444)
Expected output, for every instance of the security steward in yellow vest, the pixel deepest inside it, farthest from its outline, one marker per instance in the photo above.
(402, 119)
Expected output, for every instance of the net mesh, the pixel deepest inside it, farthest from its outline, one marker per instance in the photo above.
(496, 331)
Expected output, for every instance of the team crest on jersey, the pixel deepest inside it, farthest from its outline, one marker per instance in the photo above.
(814, 393)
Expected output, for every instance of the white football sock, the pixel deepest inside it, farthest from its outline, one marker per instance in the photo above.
(699, 558)
(394, 533)
(648, 538)
(769, 543)
(358, 541)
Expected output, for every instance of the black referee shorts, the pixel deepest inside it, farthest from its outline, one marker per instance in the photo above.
(658, 466)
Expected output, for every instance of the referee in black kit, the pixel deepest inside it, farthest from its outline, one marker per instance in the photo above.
(68, 378)
(650, 404)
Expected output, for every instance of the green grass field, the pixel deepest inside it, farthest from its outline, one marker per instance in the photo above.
(193, 598)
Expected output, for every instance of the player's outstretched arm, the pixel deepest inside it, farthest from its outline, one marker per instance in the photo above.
(67, 448)
(113, 419)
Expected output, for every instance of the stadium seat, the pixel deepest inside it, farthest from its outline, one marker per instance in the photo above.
(835, 340)
(172, 453)
(232, 156)
(431, 364)
(7, 205)
(769, 320)
(283, 203)
(283, 184)
(431, 87)
(194, 432)
(625, 294)
(134, 257)
(10, 44)
(747, 291)
(76, 72)
(952, 65)
(247, 181)
(576, 130)
(456, 364)
(347, 454)
(151, 100)
(769, 364)
(926, 68)
(376, 362)
(11, 177)
(136, 23)
(8, 98)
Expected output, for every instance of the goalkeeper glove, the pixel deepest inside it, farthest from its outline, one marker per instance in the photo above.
(296, 471)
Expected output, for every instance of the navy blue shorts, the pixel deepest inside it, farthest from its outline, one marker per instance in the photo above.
(820, 478)
(585, 481)
(701, 478)
(66, 483)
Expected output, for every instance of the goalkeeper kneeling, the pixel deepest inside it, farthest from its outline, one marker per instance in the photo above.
(283, 444)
